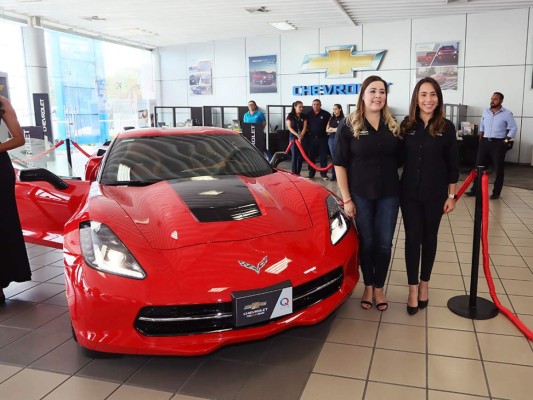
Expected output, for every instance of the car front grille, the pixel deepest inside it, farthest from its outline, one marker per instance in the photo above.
(217, 317)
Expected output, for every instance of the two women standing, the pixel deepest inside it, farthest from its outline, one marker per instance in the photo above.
(369, 148)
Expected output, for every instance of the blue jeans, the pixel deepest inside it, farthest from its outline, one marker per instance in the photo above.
(375, 221)
(297, 159)
(331, 145)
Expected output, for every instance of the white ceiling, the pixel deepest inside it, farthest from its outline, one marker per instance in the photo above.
(157, 23)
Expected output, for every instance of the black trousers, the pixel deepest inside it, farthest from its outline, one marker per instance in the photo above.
(492, 151)
(421, 221)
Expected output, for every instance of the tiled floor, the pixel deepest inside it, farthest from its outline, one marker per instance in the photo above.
(355, 354)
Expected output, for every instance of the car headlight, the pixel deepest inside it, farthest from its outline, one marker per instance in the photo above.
(339, 224)
(103, 251)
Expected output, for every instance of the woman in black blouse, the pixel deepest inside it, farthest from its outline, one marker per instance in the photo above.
(331, 130)
(366, 164)
(428, 184)
(297, 124)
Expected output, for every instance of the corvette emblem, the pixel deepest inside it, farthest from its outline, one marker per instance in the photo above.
(257, 268)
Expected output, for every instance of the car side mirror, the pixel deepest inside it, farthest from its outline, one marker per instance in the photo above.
(92, 167)
(42, 174)
(278, 157)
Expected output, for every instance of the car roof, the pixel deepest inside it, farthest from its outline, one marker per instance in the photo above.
(194, 130)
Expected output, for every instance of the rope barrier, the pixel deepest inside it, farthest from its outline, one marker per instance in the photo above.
(76, 145)
(55, 146)
(307, 160)
(42, 154)
(485, 245)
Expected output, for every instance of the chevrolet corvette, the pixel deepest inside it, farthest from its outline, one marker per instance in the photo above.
(180, 241)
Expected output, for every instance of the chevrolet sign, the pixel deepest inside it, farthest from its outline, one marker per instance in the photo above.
(342, 61)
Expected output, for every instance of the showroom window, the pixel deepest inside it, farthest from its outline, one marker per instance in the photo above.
(97, 89)
(12, 63)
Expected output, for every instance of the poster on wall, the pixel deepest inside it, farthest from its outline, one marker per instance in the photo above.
(438, 60)
(263, 74)
(200, 77)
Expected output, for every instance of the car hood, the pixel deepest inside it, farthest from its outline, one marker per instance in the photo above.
(185, 212)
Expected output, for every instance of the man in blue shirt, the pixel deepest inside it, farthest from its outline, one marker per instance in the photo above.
(496, 129)
(254, 116)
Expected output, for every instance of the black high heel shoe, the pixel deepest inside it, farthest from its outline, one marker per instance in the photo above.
(412, 310)
(423, 304)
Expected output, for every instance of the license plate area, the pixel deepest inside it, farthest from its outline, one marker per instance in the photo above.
(256, 306)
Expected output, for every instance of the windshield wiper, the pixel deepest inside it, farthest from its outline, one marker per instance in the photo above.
(132, 183)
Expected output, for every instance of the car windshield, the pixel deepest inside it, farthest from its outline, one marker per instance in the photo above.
(150, 159)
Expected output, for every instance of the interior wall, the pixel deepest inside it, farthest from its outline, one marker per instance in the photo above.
(495, 54)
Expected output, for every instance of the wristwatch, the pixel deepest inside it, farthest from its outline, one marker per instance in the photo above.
(452, 196)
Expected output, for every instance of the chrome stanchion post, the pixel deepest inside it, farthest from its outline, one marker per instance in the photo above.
(472, 306)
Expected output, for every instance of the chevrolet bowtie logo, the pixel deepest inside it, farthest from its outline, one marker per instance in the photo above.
(342, 61)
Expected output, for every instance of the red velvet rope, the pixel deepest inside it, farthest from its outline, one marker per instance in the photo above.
(76, 145)
(37, 156)
(485, 245)
(466, 183)
(307, 160)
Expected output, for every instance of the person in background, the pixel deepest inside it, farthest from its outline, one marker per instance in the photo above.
(297, 124)
(496, 129)
(14, 266)
(331, 130)
(253, 115)
(316, 141)
(428, 184)
(366, 158)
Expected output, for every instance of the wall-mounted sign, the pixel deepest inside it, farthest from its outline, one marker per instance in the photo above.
(438, 60)
(263, 74)
(342, 61)
(322, 90)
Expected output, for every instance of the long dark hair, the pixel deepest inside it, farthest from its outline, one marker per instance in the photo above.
(341, 114)
(292, 114)
(436, 123)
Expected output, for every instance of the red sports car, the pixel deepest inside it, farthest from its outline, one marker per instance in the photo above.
(180, 241)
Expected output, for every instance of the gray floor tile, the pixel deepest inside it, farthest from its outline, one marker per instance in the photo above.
(31, 347)
(274, 382)
(12, 308)
(251, 352)
(35, 251)
(59, 324)
(225, 379)
(52, 257)
(116, 369)
(296, 353)
(67, 358)
(57, 300)
(9, 334)
(35, 317)
(46, 273)
(59, 280)
(40, 293)
(167, 374)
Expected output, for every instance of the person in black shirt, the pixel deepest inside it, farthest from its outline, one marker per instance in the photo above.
(297, 123)
(331, 130)
(316, 140)
(428, 184)
(366, 163)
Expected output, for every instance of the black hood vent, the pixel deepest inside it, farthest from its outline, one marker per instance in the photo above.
(224, 198)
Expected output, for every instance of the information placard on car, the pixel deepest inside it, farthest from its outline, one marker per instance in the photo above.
(254, 306)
